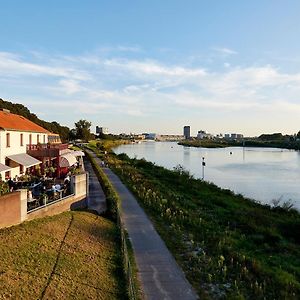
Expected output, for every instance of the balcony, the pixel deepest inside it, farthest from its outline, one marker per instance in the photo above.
(46, 150)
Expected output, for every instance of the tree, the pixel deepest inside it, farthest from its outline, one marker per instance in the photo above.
(83, 130)
(20, 109)
(72, 134)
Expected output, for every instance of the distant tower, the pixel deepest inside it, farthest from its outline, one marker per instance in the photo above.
(187, 132)
(101, 130)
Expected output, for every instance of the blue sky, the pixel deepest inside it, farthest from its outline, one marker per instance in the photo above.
(154, 66)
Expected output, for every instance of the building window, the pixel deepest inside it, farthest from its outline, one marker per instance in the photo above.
(7, 162)
(44, 139)
(21, 169)
(30, 139)
(21, 139)
(8, 140)
(7, 175)
(37, 138)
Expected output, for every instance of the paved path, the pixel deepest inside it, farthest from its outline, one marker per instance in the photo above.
(96, 198)
(159, 274)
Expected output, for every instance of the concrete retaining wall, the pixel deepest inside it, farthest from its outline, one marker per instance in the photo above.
(13, 206)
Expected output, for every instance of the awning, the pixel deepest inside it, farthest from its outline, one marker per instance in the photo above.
(25, 160)
(4, 168)
(78, 153)
(73, 152)
(67, 160)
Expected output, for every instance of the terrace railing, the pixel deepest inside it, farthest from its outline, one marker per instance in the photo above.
(46, 150)
(49, 197)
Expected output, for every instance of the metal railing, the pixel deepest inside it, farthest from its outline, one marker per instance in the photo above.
(48, 197)
(47, 146)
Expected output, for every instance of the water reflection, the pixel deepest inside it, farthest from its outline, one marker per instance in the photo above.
(259, 173)
(186, 156)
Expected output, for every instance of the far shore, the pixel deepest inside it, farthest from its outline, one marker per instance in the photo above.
(206, 143)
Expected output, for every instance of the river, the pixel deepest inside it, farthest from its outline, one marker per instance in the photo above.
(262, 174)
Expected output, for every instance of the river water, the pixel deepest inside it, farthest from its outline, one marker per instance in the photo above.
(262, 174)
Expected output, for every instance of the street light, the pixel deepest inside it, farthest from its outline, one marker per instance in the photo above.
(203, 165)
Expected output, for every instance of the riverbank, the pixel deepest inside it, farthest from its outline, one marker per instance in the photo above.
(206, 143)
(203, 144)
(227, 245)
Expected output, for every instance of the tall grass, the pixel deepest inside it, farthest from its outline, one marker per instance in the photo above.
(228, 246)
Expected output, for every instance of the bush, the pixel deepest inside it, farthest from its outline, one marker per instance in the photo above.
(4, 189)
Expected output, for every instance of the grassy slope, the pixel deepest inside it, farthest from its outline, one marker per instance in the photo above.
(74, 255)
(226, 244)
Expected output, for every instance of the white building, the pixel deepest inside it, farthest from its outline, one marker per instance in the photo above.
(204, 135)
(233, 136)
(16, 132)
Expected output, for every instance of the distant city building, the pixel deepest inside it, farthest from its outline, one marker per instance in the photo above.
(233, 136)
(149, 136)
(187, 132)
(101, 130)
(169, 137)
(204, 135)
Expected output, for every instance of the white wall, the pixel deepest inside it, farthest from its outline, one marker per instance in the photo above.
(15, 147)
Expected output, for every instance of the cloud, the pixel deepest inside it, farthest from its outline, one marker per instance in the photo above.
(224, 51)
(129, 48)
(13, 65)
(70, 86)
(150, 67)
(95, 83)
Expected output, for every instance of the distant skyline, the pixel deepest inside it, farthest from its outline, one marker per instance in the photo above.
(155, 66)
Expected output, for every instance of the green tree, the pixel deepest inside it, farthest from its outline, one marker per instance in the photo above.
(20, 109)
(83, 130)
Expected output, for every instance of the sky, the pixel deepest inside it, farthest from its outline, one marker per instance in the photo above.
(155, 66)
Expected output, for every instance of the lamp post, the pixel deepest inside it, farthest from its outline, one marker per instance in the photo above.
(203, 165)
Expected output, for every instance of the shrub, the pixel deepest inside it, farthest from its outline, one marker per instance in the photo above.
(4, 189)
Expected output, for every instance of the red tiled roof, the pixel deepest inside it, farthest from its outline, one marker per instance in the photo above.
(11, 121)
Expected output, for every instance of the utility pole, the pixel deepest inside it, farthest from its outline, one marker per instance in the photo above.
(203, 165)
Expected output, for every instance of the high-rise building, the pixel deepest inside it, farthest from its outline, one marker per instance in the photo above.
(187, 132)
(101, 130)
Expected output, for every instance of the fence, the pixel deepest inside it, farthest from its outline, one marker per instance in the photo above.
(50, 196)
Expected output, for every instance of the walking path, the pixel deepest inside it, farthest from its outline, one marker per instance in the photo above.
(96, 199)
(159, 274)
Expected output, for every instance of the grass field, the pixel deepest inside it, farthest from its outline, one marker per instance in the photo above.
(74, 255)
